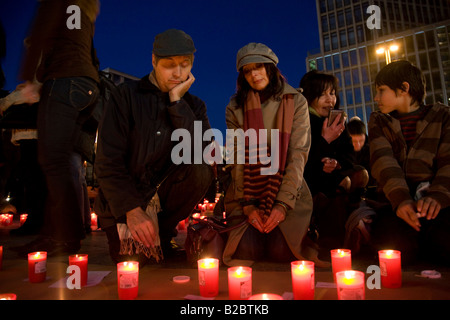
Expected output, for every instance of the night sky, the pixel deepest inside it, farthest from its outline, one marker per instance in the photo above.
(125, 31)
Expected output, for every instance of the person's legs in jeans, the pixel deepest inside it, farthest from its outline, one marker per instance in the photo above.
(64, 105)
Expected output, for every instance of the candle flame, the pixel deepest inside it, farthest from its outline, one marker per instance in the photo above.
(239, 271)
(389, 253)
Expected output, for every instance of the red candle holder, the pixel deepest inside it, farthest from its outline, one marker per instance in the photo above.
(302, 273)
(390, 268)
(37, 266)
(80, 260)
(128, 280)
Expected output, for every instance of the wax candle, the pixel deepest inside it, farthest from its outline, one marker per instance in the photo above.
(1, 257)
(239, 283)
(8, 296)
(128, 279)
(7, 219)
(208, 277)
(37, 266)
(80, 260)
(94, 221)
(302, 280)
(23, 218)
(350, 285)
(266, 296)
(341, 260)
(390, 268)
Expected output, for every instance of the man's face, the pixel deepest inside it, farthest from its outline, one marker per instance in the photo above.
(171, 71)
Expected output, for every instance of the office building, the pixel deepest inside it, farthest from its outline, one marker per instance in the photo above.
(354, 48)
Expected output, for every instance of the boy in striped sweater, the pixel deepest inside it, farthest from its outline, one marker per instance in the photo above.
(410, 159)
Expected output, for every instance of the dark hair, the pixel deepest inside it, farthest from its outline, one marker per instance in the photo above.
(314, 83)
(356, 127)
(394, 74)
(274, 88)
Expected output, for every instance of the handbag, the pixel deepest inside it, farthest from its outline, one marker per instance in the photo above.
(206, 236)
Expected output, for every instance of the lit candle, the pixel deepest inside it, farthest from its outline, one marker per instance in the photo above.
(390, 268)
(128, 279)
(80, 260)
(8, 296)
(302, 280)
(37, 266)
(94, 221)
(341, 260)
(23, 218)
(266, 296)
(7, 219)
(208, 277)
(239, 283)
(1, 257)
(350, 285)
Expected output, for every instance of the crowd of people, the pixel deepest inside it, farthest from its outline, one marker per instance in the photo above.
(327, 166)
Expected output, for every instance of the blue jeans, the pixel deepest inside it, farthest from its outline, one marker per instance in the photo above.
(65, 105)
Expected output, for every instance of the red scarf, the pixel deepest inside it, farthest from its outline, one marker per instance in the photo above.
(257, 186)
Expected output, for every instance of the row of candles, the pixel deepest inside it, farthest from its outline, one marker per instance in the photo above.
(6, 219)
(350, 283)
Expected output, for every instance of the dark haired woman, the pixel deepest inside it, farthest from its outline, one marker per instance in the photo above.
(278, 205)
(330, 172)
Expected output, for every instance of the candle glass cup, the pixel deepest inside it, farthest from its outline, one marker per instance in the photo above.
(302, 273)
(208, 277)
(239, 283)
(390, 268)
(80, 260)
(341, 260)
(350, 285)
(128, 280)
(37, 266)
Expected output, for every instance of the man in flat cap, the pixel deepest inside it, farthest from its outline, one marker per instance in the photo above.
(143, 194)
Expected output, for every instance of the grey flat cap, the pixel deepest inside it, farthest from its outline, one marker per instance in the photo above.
(173, 42)
(255, 53)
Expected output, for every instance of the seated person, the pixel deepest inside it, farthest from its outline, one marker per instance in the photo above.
(410, 156)
(331, 161)
(278, 205)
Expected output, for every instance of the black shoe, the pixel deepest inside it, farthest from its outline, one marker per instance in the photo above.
(171, 250)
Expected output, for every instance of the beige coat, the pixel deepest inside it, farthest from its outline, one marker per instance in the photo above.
(293, 190)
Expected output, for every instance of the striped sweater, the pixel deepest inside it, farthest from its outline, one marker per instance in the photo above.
(397, 169)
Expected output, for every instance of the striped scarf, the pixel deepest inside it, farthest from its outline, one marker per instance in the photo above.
(264, 188)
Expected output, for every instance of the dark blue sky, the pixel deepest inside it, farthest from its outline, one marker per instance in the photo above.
(125, 31)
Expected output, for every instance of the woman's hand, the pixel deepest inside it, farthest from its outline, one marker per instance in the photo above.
(329, 165)
(254, 217)
(332, 132)
(277, 215)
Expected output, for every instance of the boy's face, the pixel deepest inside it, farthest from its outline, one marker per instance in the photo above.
(171, 71)
(387, 99)
(358, 141)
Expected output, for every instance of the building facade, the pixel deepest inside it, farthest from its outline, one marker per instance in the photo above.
(354, 48)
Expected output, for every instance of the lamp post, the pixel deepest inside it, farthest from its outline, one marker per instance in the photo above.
(387, 52)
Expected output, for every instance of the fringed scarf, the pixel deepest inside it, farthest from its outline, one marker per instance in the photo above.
(264, 188)
(129, 246)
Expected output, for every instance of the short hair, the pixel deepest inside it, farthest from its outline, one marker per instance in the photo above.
(356, 127)
(394, 74)
(314, 83)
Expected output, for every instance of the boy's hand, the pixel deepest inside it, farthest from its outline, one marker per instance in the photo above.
(428, 207)
(407, 211)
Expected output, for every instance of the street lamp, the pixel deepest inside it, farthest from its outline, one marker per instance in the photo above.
(387, 52)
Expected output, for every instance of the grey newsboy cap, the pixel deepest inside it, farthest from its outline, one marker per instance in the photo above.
(173, 42)
(255, 53)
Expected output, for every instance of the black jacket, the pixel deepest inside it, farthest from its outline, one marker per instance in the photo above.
(340, 149)
(134, 143)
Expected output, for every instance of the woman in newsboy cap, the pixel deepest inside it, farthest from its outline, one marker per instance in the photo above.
(277, 205)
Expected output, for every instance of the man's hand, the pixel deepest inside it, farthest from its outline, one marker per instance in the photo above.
(141, 227)
(177, 92)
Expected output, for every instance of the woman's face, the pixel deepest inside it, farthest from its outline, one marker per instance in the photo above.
(325, 102)
(256, 76)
